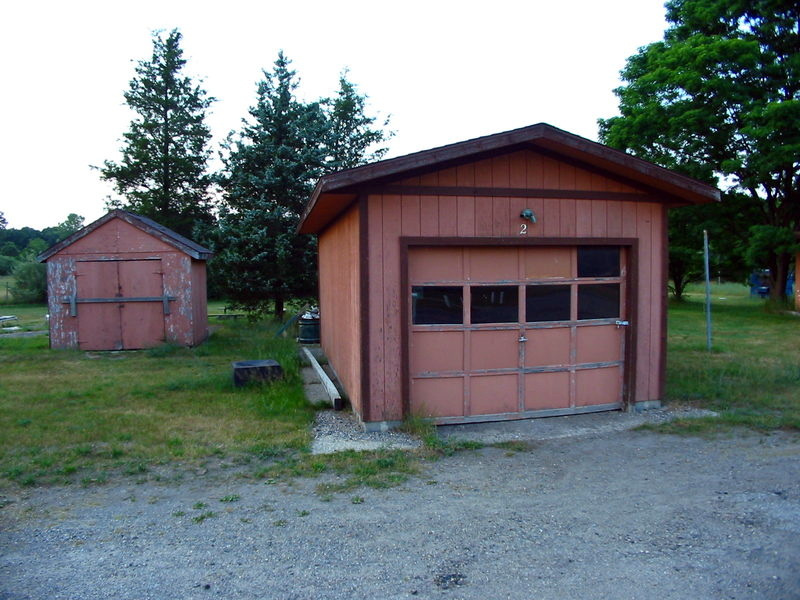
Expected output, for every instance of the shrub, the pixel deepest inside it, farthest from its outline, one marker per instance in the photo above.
(7, 264)
(30, 283)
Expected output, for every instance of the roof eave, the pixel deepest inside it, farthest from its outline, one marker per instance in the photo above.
(164, 234)
(679, 188)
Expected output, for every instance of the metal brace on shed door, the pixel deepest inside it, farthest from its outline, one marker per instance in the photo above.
(73, 302)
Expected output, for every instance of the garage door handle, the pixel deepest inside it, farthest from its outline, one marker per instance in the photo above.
(621, 324)
(522, 338)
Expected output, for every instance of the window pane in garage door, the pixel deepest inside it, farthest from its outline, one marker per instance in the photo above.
(547, 303)
(598, 261)
(598, 301)
(494, 304)
(437, 305)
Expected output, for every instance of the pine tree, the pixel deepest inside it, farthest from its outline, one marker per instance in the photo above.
(269, 172)
(351, 136)
(162, 174)
(268, 175)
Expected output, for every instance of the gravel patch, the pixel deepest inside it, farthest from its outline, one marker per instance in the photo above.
(335, 431)
(571, 426)
(619, 514)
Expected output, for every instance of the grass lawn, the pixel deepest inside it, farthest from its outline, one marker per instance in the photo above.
(70, 416)
(84, 417)
(751, 376)
(30, 317)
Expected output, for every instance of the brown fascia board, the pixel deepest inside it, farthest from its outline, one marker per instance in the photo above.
(542, 136)
(147, 225)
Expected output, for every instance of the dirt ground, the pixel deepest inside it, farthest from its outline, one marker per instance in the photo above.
(606, 513)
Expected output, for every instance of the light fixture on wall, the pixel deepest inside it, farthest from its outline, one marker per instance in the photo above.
(528, 214)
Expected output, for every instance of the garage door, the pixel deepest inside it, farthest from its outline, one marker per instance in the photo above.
(508, 332)
(120, 304)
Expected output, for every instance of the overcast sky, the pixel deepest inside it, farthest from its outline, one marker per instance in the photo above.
(445, 71)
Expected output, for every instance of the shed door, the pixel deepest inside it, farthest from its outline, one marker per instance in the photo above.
(515, 332)
(106, 321)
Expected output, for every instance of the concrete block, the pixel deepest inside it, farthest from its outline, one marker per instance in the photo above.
(250, 371)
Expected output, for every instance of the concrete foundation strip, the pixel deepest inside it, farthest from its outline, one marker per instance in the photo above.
(330, 389)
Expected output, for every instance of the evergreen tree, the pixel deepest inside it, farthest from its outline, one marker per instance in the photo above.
(162, 174)
(270, 169)
(3, 221)
(351, 136)
(269, 172)
(720, 96)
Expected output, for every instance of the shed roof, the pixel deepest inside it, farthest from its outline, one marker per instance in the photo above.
(334, 192)
(149, 226)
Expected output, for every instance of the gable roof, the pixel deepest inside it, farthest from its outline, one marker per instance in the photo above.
(149, 226)
(334, 192)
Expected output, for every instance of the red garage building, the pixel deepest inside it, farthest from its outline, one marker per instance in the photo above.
(515, 275)
(125, 282)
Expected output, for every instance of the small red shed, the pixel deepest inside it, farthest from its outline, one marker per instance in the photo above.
(516, 275)
(125, 282)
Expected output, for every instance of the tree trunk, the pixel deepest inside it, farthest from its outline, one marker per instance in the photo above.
(679, 276)
(279, 309)
(777, 276)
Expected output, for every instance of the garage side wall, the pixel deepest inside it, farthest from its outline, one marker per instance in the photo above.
(797, 283)
(199, 302)
(177, 273)
(339, 289)
(61, 285)
(395, 215)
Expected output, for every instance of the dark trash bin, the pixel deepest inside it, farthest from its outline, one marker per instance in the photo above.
(308, 329)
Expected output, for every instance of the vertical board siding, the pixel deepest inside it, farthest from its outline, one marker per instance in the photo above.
(614, 218)
(387, 406)
(501, 171)
(393, 216)
(339, 288)
(200, 300)
(177, 283)
(61, 285)
(483, 216)
(658, 289)
(466, 216)
(645, 307)
(551, 218)
(429, 216)
(410, 210)
(448, 216)
(117, 236)
(376, 349)
(568, 220)
(797, 283)
(501, 217)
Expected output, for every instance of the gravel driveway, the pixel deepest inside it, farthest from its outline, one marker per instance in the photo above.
(607, 514)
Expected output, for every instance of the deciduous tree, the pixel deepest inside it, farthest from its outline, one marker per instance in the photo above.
(719, 99)
(67, 227)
